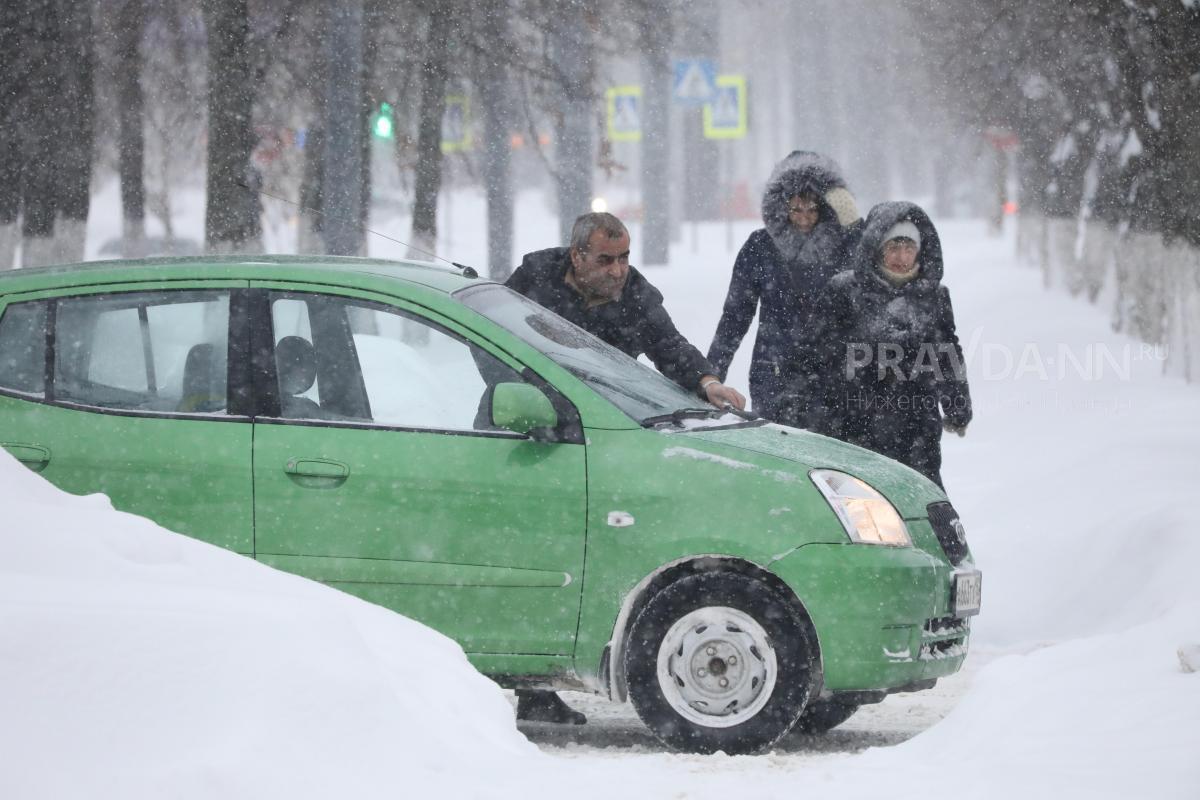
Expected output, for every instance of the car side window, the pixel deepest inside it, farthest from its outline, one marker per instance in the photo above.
(397, 369)
(160, 352)
(23, 348)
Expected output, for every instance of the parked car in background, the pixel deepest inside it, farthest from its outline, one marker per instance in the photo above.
(444, 447)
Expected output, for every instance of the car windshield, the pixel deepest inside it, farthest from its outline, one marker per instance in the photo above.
(631, 386)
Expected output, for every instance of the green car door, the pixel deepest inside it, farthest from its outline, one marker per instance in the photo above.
(378, 470)
(133, 402)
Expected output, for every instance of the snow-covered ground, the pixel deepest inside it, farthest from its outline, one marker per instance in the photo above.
(138, 663)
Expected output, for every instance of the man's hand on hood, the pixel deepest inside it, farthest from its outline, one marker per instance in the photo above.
(719, 394)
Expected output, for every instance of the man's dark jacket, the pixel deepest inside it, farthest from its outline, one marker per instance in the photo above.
(895, 411)
(635, 323)
(780, 273)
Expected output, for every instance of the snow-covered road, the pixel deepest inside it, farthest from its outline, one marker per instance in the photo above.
(614, 729)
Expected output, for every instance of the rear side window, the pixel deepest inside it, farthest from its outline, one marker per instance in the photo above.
(152, 351)
(23, 348)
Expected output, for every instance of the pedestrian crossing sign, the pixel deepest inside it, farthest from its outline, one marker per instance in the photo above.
(695, 81)
(725, 117)
(624, 113)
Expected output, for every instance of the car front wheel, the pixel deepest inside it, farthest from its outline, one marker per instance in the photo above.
(719, 661)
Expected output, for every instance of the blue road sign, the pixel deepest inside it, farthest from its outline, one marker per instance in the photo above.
(624, 113)
(695, 81)
(725, 117)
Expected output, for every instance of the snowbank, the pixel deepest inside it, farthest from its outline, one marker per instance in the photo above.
(135, 662)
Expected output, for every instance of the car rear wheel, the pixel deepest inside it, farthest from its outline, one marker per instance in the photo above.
(719, 661)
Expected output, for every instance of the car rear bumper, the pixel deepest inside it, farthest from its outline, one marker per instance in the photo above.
(882, 615)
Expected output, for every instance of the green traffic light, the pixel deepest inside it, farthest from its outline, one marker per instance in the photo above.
(383, 127)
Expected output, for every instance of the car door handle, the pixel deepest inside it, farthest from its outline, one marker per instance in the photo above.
(317, 468)
(33, 456)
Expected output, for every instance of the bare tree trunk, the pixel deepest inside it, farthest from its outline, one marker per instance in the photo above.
(10, 134)
(8, 244)
(40, 42)
(810, 90)
(374, 19)
(429, 132)
(312, 193)
(700, 154)
(172, 118)
(944, 168)
(869, 131)
(78, 48)
(570, 47)
(656, 133)
(492, 78)
(802, 119)
(131, 21)
(344, 129)
(1000, 189)
(232, 217)
(311, 236)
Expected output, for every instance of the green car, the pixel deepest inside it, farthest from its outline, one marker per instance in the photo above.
(439, 445)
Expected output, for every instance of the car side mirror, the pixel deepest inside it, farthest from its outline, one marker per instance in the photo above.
(522, 408)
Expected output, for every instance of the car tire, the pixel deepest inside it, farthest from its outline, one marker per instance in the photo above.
(822, 716)
(719, 661)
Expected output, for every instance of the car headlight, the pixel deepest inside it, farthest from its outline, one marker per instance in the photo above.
(866, 515)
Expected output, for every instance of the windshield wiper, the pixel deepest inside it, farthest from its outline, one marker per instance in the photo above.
(737, 412)
(680, 414)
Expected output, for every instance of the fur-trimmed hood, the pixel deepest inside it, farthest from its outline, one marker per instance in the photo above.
(880, 220)
(802, 171)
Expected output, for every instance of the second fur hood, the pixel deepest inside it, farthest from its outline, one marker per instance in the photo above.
(801, 171)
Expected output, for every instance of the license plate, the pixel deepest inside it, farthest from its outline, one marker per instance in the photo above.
(967, 592)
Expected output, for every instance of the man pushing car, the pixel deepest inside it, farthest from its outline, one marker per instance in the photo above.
(591, 284)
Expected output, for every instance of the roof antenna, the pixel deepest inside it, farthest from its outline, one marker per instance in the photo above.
(468, 272)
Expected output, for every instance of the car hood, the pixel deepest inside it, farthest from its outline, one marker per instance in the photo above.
(908, 490)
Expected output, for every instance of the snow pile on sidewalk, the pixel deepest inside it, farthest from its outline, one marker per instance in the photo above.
(135, 662)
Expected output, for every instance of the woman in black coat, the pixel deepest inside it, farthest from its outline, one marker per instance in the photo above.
(780, 271)
(886, 349)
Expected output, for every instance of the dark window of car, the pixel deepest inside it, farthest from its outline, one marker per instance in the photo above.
(163, 352)
(23, 348)
(341, 359)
